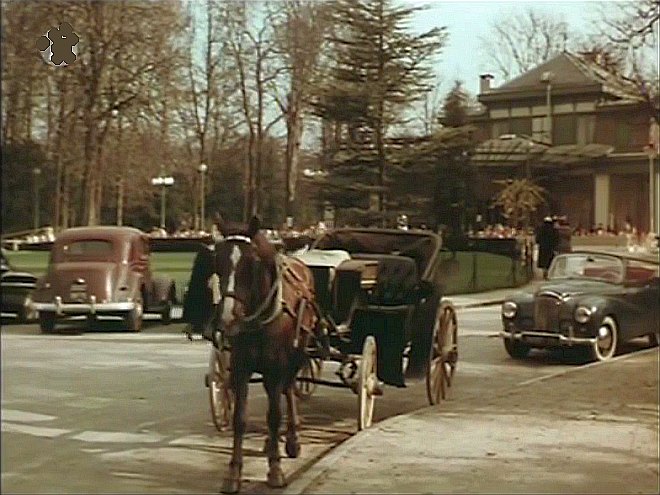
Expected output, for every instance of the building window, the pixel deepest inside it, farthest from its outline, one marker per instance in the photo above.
(521, 126)
(564, 129)
(622, 138)
(538, 129)
(500, 127)
(585, 129)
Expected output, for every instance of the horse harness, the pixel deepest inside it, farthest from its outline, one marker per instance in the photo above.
(288, 294)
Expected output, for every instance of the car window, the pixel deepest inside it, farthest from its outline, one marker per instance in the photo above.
(640, 272)
(100, 250)
(587, 266)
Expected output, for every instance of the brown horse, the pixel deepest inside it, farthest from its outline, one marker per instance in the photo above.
(267, 302)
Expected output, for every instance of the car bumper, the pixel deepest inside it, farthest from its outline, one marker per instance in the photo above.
(542, 339)
(91, 307)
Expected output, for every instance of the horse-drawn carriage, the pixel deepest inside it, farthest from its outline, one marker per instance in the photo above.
(375, 308)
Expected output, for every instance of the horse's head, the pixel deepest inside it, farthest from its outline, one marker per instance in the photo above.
(245, 263)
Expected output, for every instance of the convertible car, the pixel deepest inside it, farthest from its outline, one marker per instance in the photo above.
(102, 271)
(16, 288)
(592, 301)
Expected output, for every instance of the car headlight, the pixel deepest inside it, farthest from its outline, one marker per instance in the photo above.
(509, 309)
(582, 314)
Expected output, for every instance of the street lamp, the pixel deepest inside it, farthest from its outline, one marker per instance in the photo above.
(202, 193)
(547, 79)
(36, 172)
(164, 182)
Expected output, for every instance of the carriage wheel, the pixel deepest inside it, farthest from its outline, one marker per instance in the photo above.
(310, 371)
(443, 355)
(367, 383)
(220, 394)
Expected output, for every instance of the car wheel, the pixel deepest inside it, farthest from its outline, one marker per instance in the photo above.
(47, 322)
(515, 349)
(91, 322)
(654, 338)
(607, 340)
(133, 319)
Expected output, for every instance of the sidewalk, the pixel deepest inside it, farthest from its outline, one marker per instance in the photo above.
(592, 429)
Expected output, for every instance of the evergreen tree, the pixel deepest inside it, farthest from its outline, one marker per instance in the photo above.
(379, 69)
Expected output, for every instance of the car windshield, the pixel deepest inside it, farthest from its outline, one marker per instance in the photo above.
(92, 250)
(587, 266)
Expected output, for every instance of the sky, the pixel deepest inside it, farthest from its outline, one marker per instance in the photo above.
(469, 20)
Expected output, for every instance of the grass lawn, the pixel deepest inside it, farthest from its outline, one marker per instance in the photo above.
(456, 272)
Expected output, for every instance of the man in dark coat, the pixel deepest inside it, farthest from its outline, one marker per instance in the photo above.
(547, 238)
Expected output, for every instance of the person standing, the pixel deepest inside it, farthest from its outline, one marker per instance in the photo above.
(547, 238)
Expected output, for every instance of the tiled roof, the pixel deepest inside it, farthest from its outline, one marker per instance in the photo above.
(572, 70)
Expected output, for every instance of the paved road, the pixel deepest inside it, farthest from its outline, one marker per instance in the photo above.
(107, 411)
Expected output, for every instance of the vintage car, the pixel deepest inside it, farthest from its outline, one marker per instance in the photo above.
(102, 271)
(592, 301)
(17, 288)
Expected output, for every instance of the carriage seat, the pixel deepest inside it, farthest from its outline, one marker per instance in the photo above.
(323, 264)
(397, 279)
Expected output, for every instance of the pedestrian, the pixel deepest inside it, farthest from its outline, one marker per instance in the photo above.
(547, 238)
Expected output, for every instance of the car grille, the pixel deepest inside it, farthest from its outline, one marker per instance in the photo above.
(78, 291)
(18, 281)
(546, 313)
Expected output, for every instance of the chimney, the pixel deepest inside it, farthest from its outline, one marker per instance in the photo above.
(484, 83)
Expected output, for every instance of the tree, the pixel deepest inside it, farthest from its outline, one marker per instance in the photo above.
(252, 51)
(379, 68)
(300, 41)
(519, 199)
(524, 40)
(629, 31)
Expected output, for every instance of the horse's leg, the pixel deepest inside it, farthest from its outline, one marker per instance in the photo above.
(292, 444)
(274, 389)
(239, 379)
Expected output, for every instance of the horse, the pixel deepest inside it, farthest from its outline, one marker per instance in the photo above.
(266, 309)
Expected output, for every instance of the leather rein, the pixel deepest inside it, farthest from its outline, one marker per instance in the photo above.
(274, 294)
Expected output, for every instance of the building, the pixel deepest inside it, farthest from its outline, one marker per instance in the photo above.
(579, 130)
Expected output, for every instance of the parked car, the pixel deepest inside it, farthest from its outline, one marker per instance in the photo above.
(102, 271)
(16, 288)
(592, 300)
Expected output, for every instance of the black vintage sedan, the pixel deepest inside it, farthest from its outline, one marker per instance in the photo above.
(16, 288)
(592, 300)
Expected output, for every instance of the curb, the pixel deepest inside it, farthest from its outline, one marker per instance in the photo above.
(307, 478)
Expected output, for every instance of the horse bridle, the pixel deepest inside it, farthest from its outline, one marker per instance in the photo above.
(268, 301)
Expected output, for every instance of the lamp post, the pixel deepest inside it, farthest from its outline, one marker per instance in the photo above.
(202, 169)
(164, 182)
(547, 79)
(36, 172)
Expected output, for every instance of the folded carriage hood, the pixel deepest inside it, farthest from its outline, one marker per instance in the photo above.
(100, 278)
(577, 287)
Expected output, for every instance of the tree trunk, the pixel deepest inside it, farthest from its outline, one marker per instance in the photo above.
(294, 130)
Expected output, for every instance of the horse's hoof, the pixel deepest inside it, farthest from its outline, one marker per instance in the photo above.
(275, 478)
(292, 448)
(231, 486)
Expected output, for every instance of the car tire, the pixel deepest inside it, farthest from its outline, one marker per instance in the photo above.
(133, 319)
(22, 315)
(607, 340)
(516, 349)
(47, 322)
(654, 338)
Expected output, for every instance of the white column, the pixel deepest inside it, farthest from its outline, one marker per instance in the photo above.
(602, 199)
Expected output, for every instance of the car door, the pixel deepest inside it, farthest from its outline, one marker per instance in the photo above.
(139, 264)
(641, 284)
